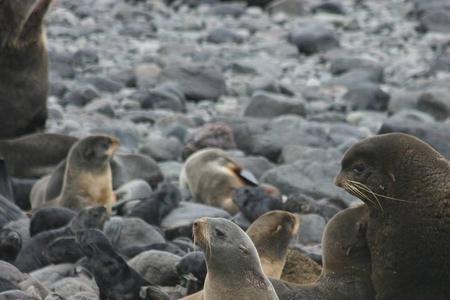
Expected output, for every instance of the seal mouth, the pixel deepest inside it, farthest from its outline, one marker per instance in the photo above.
(115, 144)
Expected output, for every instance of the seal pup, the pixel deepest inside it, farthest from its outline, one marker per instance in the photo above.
(115, 279)
(234, 269)
(23, 67)
(254, 201)
(87, 178)
(31, 256)
(211, 176)
(346, 262)
(48, 218)
(405, 183)
(10, 244)
(272, 233)
(35, 155)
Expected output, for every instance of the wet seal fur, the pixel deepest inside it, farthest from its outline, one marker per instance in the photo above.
(23, 67)
(346, 262)
(406, 185)
(211, 176)
(88, 176)
(234, 268)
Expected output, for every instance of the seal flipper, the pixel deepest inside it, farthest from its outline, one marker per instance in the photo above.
(6, 189)
(248, 177)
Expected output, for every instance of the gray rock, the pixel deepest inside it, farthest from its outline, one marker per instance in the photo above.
(179, 221)
(197, 81)
(313, 38)
(235, 9)
(331, 7)
(166, 96)
(101, 106)
(312, 178)
(342, 64)
(86, 57)
(105, 84)
(220, 35)
(171, 170)
(292, 7)
(434, 133)
(435, 19)
(266, 105)
(403, 99)
(293, 153)
(367, 96)
(162, 148)
(157, 267)
(147, 75)
(81, 96)
(126, 232)
(137, 189)
(311, 229)
(435, 102)
(61, 63)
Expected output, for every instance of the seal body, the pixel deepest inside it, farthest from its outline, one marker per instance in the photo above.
(346, 272)
(23, 67)
(234, 269)
(35, 155)
(211, 176)
(406, 185)
(87, 177)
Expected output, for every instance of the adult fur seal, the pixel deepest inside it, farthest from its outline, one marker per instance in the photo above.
(271, 233)
(35, 155)
(23, 67)
(87, 178)
(406, 185)
(346, 262)
(115, 279)
(234, 269)
(211, 176)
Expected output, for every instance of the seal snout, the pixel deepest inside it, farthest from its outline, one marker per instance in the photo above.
(339, 180)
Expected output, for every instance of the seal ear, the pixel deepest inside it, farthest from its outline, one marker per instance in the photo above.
(244, 249)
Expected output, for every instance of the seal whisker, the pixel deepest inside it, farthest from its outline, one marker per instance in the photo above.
(383, 196)
(355, 190)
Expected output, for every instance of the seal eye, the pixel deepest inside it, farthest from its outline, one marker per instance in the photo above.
(219, 233)
(359, 168)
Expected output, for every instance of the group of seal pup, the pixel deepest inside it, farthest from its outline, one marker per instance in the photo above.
(393, 246)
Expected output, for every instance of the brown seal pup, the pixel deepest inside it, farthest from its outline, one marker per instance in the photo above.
(23, 67)
(87, 178)
(406, 185)
(35, 155)
(346, 262)
(271, 233)
(234, 269)
(211, 176)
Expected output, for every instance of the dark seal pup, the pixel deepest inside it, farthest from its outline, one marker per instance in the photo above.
(115, 279)
(406, 185)
(23, 67)
(346, 262)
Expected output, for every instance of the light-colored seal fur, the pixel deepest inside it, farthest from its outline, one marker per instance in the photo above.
(234, 269)
(87, 178)
(211, 176)
(406, 185)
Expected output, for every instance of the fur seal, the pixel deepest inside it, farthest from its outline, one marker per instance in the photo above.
(87, 178)
(159, 205)
(23, 67)
(254, 201)
(192, 264)
(406, 185)
(234, 269)
(35, 155)
(49, 218)
(124, 168)
(346, 262)
(211, 176)
(299, 268)
(272, 233)
(31, 257)
(115, 279)
(10, 244)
